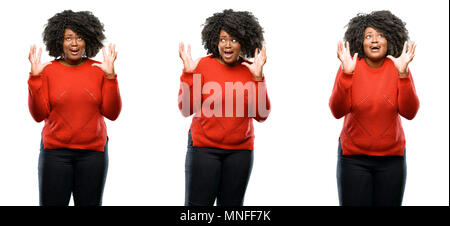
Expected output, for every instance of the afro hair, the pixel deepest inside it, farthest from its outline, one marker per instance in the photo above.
(241, 25)
(383, 21)
(83, 23)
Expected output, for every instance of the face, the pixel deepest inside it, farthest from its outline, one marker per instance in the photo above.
(375, 44)
(229, 48)
(73, 47)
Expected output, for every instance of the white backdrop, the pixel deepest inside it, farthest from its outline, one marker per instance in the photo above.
(295, 149)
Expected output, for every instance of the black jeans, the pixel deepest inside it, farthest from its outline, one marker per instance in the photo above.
(370, 180)
(216, 173)
(66, 171)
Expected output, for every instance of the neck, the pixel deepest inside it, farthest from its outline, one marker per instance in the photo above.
(232, 64)
(374, 63)
(72, 63)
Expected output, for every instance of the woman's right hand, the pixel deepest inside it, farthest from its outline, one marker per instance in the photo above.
(343, 53)
(36, 66)
(188, 62)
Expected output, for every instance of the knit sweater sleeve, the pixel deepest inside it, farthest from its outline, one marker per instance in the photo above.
(111, 101)
(186, 102)
(38, 102)
(341, 99)
(262, 108)
(408, 102)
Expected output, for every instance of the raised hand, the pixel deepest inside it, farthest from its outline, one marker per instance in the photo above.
(343, 53)
(188, 62)
(401, 62)
(256, 67)
(36, 66)
(107, 65)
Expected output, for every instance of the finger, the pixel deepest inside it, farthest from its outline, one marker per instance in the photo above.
(39, 55)
(355, 57)
(104, 53)
(47, 63)
(109, 49)
(339, 49)
(246, 64)
(255, 56)
(405, 46)
(115, 55)
(181, 49)
(347, 49)
(413, 48)
(390, 57)
(189, 51)
(197, 60)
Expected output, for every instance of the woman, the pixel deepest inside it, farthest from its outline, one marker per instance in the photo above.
(72, 94)
(220, 141)
(372, 90)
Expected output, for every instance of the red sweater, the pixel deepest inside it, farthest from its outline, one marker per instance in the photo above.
(73, 101)
(372, 101)
(231, 127)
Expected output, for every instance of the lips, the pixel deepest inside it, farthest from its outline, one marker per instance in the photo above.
(228, 54)
(375, 48)
(74, 51)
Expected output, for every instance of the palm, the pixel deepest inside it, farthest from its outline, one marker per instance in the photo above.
(401, 62)
(107, 66)
(189, 64)
(348, 63)
(36, 66)
(256, 67)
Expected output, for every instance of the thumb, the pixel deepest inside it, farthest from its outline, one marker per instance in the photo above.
(246, 64)
(390, 57)
(355, 56)
(96, 65)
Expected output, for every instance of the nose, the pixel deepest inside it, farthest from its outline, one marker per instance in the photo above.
(375, 38)
(74, 42)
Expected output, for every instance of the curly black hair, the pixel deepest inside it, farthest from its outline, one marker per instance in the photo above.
(83, 23)
(241, 25)
(383, 21)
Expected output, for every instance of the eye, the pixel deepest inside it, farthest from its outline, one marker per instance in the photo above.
(79, 38)
(368, 36)
(380, 36)
(222, 40)
(68, 38)
(234, 40)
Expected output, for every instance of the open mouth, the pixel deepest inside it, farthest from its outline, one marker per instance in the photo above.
(375, 48)
(74, 51)
(227, 53)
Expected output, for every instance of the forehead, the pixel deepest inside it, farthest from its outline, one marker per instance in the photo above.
(223, 33)
(69, 32)
(371, 30)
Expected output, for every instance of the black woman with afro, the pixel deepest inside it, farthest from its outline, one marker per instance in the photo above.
(373, 88)
(73, 94)
(225, 92)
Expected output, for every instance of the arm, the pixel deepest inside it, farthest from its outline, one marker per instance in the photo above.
(341, 98)
(186, 102)
(408, 102)
(38, 102)
(111, 101)
(262, 101)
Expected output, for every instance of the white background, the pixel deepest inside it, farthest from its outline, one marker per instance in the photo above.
(295, 149)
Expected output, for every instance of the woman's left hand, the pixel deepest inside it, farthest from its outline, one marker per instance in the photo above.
(108, 61)
(256, 67)
(401, 62)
